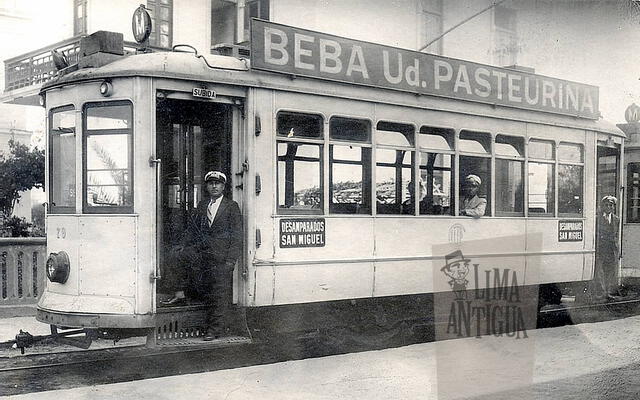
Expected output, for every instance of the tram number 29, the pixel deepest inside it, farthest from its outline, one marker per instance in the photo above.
(61, 233)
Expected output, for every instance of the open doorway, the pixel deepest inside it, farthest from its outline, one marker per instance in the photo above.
(192, 138)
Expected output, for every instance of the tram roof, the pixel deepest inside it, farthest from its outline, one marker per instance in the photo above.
(235, 71)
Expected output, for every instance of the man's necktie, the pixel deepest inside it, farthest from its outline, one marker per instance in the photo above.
(209, 214)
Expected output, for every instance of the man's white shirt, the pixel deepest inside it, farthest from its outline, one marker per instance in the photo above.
(212, 209)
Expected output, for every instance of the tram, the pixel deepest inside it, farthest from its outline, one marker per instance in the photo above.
(320, 145)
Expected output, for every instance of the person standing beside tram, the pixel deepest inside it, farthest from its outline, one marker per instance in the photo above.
(212, 245)
(472, 204)
(606, 270)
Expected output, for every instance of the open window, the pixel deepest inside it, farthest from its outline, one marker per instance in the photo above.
(62, 160)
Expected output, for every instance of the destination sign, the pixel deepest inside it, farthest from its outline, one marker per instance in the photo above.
(570, 230)
(295, 51)
(302, 232)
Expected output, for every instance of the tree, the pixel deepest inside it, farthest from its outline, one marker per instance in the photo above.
(21, 171)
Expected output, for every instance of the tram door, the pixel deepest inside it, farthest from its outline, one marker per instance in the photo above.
(193, 138)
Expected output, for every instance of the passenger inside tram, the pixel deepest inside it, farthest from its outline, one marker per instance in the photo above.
(424, 204)
(472, 205)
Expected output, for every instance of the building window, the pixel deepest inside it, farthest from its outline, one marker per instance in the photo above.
(509, 180)
(541, 169)
(62, 160)
(299, 163)
(349, 166)
(161, 12)
(79, 17)
(394, 167)
(254, 9)
(430, 25)
(570, 179)
(478, 162)
(108, 138)
(633, 192)
(436, 171)
(505, 36)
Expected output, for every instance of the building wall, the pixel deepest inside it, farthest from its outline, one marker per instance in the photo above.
(192, 23)
(112, 15)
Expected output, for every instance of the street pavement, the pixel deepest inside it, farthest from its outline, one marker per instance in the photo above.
(586, 361)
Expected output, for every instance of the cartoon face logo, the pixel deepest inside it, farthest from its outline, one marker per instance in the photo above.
(457, 268)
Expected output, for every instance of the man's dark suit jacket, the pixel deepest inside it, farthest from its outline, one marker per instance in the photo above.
(607, 239)
(222, 241)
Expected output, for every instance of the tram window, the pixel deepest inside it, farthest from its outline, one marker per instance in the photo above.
(435, 138)
(62, 160)
(436, 179)
(393, 176)
(481, 167)
(296, 125)
(570, 189)
(541, 188)
(299, 177)
(570, 179)
(108, 155)
(394, 134)
(350, 179)
(509, 177)
(475, 142)
(353, 130)
(509, 183)
(633, 192)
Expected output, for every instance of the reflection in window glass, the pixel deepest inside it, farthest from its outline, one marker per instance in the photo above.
(570, 189)
(435, 138)
(108, 171)
(436, 183)
(509, 146)
(112, 117)
(570, 152)
(63, 161)
(350, 179)
(393, 175)
(475, 142)
(541, 149)
(357, 130)
(541, 188)
(299, 172)
(294, 125)
(107, 165)
(509, 187)
(394, 134)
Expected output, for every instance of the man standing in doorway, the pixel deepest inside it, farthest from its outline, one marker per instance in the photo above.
(607, 228)
(216, 229)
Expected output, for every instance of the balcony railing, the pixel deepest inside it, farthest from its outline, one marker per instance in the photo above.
(36, 67)
(22, 273)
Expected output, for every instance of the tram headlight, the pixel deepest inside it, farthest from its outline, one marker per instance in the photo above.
(58, 267)
(106, 88)
(42, 100)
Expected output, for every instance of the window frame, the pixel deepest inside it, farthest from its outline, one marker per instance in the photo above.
(154, 38)
(547, 161)
(320, 142)
(559, 164)
(410, 148)
(368, 192)
(488, 154)
(86, 207)
(522, 160)
(54, 209)
(451, 152)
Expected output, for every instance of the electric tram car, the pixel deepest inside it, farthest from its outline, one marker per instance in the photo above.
(320, 167)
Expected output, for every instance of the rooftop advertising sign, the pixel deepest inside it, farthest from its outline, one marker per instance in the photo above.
(289, 50)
